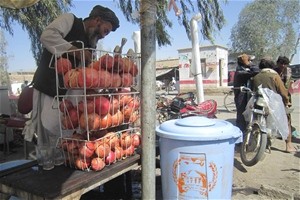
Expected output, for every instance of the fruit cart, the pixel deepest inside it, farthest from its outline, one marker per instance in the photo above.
(99, 127)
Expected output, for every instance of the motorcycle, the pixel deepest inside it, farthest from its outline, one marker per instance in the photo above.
(263, 113)
(183, 105)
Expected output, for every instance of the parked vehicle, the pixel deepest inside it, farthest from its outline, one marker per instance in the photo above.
(228, 101)
(160, 85)
(263, 124)
(183, 105)
(295, 71)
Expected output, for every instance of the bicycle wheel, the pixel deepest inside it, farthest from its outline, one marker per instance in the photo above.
(229, 102)
(253, 146)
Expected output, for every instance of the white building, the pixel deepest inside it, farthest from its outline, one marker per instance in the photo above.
(214, 61)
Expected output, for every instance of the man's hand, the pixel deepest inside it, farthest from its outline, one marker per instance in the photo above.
(82, 55)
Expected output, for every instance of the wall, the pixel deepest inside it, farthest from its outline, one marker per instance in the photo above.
(214, 60)
(167, 63)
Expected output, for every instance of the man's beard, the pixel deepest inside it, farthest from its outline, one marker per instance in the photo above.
(93, 35)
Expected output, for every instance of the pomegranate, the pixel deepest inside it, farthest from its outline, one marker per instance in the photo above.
(63, 65)
(97, 164)
(125, 140)
(114, 106)
(124, 99)
(127, 79)
(88, 77)
(136, 140)
(87, 150)
(89, 105)
(119, 152)
(134, 71)
(71, 78)
(107, 62)
(104, 78)
(65, 105)
(82, 164)
(111, 139)
(116, 80)
(129, 151)
(127, 112)
(133, 117)
(117, 118)
(70, 120)
(105, 121)
(72, 148)
(102, 150)
(95, 65)
(110, 158)
(134, 103)
(92, 122)
(129, 66)
(118, 63)
(102, 105)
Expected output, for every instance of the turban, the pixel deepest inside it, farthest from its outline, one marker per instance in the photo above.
(106, 14)
(244, 59)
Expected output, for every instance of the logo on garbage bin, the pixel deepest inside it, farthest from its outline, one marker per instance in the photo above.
(190, 175)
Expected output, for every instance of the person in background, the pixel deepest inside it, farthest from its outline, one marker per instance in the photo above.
(244, 72)
(285, 72)
(269, 78)
(24, 85)
(62, 31)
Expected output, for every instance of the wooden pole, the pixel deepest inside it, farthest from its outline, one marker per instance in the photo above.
(148, 78)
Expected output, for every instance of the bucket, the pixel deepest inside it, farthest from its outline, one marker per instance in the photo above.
(196, 157)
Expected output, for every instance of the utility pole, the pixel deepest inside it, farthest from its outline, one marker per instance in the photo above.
(148, 90)
(196, 64)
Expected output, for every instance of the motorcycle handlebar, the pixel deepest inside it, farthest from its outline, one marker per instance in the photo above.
(245, 89)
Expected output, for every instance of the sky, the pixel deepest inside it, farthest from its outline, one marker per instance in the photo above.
(21, 58)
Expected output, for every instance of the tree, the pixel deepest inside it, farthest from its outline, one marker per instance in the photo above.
(33, 19)
(3, 61)
(212, 17)
(266, 28)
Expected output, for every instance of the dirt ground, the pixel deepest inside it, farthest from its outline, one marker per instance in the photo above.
(275, 177)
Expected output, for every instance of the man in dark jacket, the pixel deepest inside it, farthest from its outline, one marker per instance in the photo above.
(58, 39)
(244, 72)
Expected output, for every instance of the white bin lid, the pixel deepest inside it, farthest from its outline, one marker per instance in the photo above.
(197, 128)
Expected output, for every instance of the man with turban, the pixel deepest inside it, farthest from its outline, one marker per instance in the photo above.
(66, 34)
(242, 77)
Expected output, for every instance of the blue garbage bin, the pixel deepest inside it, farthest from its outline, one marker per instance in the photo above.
(196, 157)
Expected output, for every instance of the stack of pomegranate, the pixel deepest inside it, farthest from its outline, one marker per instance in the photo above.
(106, 72)
(104, 117)
(102, 110)
(103, 148)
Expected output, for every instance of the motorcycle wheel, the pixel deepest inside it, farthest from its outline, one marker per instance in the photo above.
(253, 146)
